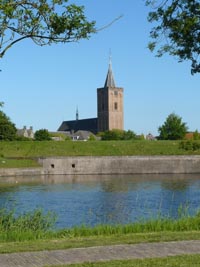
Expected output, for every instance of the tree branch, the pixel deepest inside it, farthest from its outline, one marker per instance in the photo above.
(109, 24)
(33, 36)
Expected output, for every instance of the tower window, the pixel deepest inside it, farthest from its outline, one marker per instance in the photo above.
(115, 106)
(116, 93)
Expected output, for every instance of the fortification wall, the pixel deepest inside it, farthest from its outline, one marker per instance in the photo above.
(110, 165)
(121, 165)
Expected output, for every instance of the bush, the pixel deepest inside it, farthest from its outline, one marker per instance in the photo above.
(117, 134)
(28, 226)
(92, 138)
(196, 135)
(189, 145)
(42, 135)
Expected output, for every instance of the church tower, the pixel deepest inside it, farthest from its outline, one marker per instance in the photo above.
(110, 104)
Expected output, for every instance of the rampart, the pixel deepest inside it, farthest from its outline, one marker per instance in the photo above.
(111, 165)
(121, 165)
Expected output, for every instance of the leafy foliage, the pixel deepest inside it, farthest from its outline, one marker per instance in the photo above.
(176, 30)
(28, 226)
(118, 135)
(43, 21)
(42, 135)
(190, 145)
(7, 128)
(196, 135)
(173, 128)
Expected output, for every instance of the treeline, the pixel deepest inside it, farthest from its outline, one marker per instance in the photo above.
(8, 130)
(120, 135)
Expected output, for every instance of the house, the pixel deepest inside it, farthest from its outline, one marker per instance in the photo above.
(28, 133)
(150, 137)
(82, 135)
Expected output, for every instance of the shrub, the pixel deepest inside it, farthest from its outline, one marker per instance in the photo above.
(189, 145)
(42, 135)
(117, 134)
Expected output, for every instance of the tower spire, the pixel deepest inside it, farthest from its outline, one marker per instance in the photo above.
(77, 115)
(110, 82)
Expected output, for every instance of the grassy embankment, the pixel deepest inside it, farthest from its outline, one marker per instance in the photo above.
(23, 154)
(33, 231)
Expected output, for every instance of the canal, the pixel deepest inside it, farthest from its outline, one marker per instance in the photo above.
(109, 199)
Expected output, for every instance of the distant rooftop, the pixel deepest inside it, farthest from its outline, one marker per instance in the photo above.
(76, 125)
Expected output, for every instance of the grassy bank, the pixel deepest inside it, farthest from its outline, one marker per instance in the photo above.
(33, 149)
(33, 231)
(18, 163)
(37, 224)
(24, 153)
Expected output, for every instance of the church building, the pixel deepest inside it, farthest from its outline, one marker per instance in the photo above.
(110, 110)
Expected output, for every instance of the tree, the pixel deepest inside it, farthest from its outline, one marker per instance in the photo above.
(42, 135)
(196, 135)
(43, 21)
(173, 128)
(7, 128)
(117, 134)
(176, 30)
(129, 135)
(114, 134)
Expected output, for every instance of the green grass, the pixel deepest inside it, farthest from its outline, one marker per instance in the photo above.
(18, 163)
(38, 225)
(33, 231)
(82, 242)
(176, 261)
(33, 149)
(24, 153)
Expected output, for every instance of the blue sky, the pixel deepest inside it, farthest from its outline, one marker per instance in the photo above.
(42, 86)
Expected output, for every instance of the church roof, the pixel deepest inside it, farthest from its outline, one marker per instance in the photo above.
(110, 82)
(76, 125)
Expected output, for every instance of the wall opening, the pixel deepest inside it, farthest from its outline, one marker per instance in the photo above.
(73, 165)
(52, 166)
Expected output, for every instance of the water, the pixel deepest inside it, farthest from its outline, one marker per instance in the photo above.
(95, 200)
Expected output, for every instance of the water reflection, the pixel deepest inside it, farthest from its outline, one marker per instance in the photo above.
(102, 199)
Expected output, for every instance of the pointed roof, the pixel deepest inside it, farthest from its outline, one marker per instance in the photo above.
(77, 114)
(110, 82)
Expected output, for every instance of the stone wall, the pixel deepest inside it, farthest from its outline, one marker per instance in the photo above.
(21, 172)
(110, 165)
(121, 165)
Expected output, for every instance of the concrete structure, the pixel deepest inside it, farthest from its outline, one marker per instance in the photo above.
(110, 165)
(110, 110)
(121, 165)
